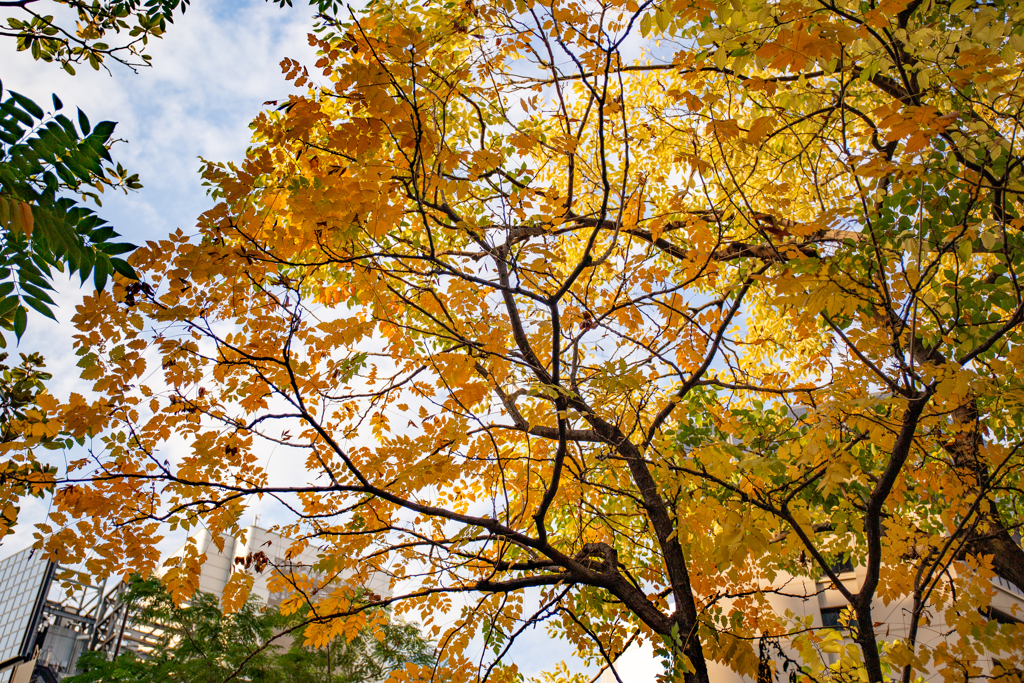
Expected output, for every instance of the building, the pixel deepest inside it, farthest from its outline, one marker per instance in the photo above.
(43, 630)
(820, 601)
(50, 615)
(221, 564)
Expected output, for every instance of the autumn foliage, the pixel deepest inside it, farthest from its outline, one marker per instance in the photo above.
(600, 315)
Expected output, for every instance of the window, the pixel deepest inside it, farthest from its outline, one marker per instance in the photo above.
(841, 565)
(999, 617)
(839, 618)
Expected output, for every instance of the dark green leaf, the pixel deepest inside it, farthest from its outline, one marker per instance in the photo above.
(103, 130)
(68, 127)
(8, 305)
(100, 273)
(20, 321)
(21, 116)
(39, 306)
(102, 234)
(124, 269)
(115, 249)
(27, 104)
(83, 122)
(36, 293)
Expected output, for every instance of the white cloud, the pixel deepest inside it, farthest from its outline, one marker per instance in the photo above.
(216, 66)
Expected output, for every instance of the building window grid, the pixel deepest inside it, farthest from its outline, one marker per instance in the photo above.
(22, 574)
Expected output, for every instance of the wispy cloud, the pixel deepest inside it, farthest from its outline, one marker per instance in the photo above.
(211, 73)
(216, 66)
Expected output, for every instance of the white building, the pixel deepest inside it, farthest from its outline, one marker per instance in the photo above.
(220, 565)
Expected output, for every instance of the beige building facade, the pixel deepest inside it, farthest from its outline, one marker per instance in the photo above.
(819, 600)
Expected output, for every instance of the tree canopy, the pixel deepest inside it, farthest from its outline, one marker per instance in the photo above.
(197, 643)
(604, 316)
(44, 157)
(50, 171)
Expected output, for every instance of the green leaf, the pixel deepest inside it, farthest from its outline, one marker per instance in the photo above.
(39, 306)
(35, 277)
(83, 122)
(20, 321)
(123, 268)
(104, 129)
(27, 104)
(20, 115)
(68, 126)
(100, 274)
(116, 248)
(36, 293)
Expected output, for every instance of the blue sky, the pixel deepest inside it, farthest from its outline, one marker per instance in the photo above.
(216, 66)
(212, 71)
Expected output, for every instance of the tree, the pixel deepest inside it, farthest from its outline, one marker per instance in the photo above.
(198, 643)
(119, 30)
(43, 159)
(52, 40)
(626, 309)
(23, 399)
(49, 169)
(369, 655)
(49, 172)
